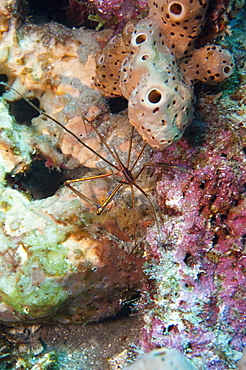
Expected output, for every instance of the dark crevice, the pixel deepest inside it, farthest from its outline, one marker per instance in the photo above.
(46, 10)
(71, 13)
(189, 260)
(172, 329)
(195, 132)
(213, 198)
(213, 220)
(117, 105)
(223, 155)
(23, 112)
(223, 217)
(202, 185)
(39, 181)
(127, 309)
(3, 78)
(215, 240)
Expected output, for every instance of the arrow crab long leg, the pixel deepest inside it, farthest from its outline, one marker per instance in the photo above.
(124, 172)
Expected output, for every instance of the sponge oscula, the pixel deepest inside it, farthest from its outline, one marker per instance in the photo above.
(210, 64)
(160, 103)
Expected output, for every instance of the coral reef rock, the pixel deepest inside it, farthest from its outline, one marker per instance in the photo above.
(119, 12)
(199, 307)
(59, 259)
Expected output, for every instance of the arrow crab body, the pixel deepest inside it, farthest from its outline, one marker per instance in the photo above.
(126, 173)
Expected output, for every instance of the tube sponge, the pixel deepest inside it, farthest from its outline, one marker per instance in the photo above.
(160, 65)
(180, 20)
(234, 7)
(160, 103)
(210, 64)
(108, 67)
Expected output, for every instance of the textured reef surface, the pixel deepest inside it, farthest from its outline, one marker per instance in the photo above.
(200, 271)
(182, 67)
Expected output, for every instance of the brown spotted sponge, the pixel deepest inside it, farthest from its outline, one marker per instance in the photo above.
(154, 64)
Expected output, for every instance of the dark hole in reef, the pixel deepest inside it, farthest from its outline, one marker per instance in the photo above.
(195, 133)
(23, 112)
(154, 96)
(71, 13)
(213, 198)
(223, 155)
(40, 181)
(215, 240)
(126, 310)
(202, 185)
(213, 220)
(43, 11)
(199, 276)
(172, 329)
(117, 105)
(3, 78)
(223, 217)
(176, 8)
(189, 260)
(244, 240)
(201, 89)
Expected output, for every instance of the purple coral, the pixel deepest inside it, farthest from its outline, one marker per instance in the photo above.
(123, 11)
(202, 312)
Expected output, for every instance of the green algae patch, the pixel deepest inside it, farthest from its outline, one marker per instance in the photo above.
(35, 301)
(52, 260)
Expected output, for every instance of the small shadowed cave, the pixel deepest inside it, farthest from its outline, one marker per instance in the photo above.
(39, 181)
(71, 13)
(117, 105)
(23, 112)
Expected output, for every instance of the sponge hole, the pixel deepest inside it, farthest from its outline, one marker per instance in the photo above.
(140, 38)
(100, 59)
(176, 10)
(145, 57)
(227, 69)
(154, 96)
(129, 28)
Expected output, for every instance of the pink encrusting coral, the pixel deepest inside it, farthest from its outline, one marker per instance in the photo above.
(200, 306)
(122, 11)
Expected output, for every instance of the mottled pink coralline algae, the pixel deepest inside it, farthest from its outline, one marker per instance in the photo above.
(122, 11)
(204, 208)
(114, 12)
